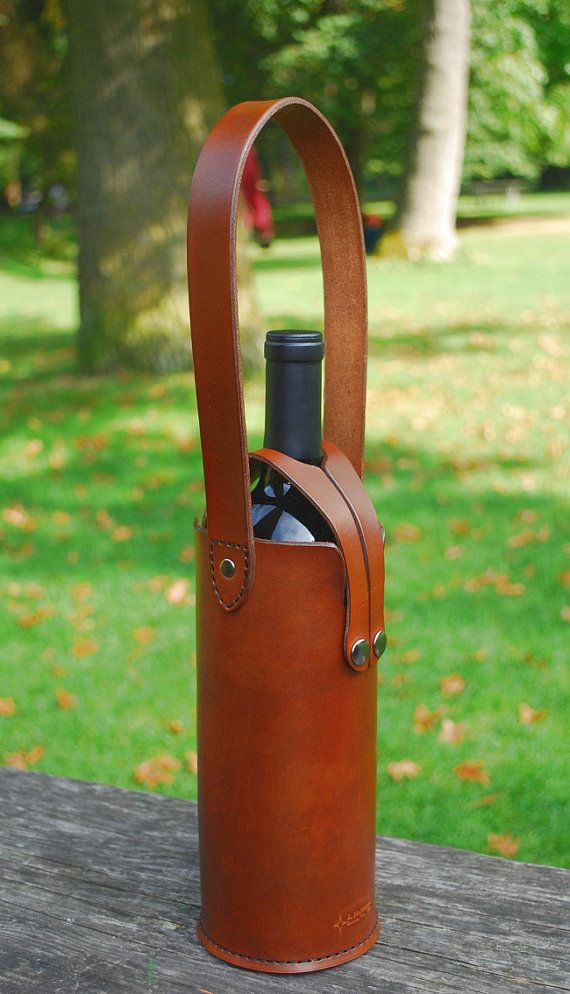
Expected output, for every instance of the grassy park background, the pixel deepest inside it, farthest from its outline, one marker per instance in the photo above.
(467, 463)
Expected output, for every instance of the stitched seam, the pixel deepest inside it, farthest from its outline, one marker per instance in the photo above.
(229, 545)
(314, 959)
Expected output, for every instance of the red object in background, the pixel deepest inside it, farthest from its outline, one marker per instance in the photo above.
(257, 209)
(373, 226)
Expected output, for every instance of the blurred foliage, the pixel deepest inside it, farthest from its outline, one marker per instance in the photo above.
(519, 99)
(33, 88)
(11, 139)
(357, 60)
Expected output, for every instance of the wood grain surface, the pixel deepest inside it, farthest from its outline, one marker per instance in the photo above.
(99, 893)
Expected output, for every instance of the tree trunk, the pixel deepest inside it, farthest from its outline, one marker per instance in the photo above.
(424, 225)
(146, 91)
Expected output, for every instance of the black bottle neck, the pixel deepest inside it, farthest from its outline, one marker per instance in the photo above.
(293, 394)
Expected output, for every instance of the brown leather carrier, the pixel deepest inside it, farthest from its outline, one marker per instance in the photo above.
(286, 688)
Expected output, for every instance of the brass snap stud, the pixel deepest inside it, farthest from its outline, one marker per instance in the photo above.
(227, 568)
(379, 643)
(360, 652)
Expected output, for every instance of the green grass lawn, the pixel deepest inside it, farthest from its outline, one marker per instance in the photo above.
(467, 462)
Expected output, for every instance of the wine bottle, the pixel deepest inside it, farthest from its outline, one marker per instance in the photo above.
(293, 426)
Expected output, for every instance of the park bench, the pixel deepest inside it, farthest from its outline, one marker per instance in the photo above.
(512, 189)
(99, 894)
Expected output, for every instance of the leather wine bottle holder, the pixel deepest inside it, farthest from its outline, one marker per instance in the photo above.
(287, 633)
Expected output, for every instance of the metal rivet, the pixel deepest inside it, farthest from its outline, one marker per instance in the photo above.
(360, 652)
(379, 643)
(227, 568)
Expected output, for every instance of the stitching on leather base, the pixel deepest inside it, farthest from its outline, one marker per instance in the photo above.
(217, 591)
(285, 962)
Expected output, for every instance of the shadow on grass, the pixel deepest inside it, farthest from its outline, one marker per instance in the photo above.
(116, 453)
(109, 497)
(269, 263)
(427, 341)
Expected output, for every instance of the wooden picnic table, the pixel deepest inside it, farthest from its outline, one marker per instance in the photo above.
(99, 893)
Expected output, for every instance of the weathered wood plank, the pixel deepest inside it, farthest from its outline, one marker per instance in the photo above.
(99, 893)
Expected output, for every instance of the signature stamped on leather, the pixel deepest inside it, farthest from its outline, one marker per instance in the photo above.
(352, 915)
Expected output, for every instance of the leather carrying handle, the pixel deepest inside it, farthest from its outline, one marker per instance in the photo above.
(320, 489)
(212, 223)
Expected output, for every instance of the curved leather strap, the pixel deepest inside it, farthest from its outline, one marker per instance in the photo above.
(320, 490)
(340, 471)
(215, 323)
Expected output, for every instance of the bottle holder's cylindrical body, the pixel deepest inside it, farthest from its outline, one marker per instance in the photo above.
(288, 634)
(287, 768)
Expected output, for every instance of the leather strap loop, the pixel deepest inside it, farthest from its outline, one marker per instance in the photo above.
(339, 470)
(215, 322)
(320, 490)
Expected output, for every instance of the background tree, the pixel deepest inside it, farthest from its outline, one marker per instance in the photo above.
(355, 60)
(146, 91)
(424, 225)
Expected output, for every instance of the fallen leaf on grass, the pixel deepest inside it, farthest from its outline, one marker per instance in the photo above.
(527, 516)
(186, 554)
(491, 578)
(451, 685)
(7, 707)
(33, 448)
(410, 656)
(175, 726)
(528, 536)
(92, 443)
(403, 768)
(178, 591)
(61, 518)
(406, 532)
(21, 760)
(84, 647)
(528, 715)
(122, 533)
(451, 732)
(191, 761)
(565, 612)
(454, 552)
(472, 769)
(505, 845)
(482, 802)
(424, 719)
(157, 583)
(33, 590)
(159, 769)
(459, 526)
(58, 670)
(506, 588)
(104, 519)
(82, 591)
(136, 427)
(18, 517)
(187, 444)
(65, 700)
(34, 618)
(144, 634)
(565, 578)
